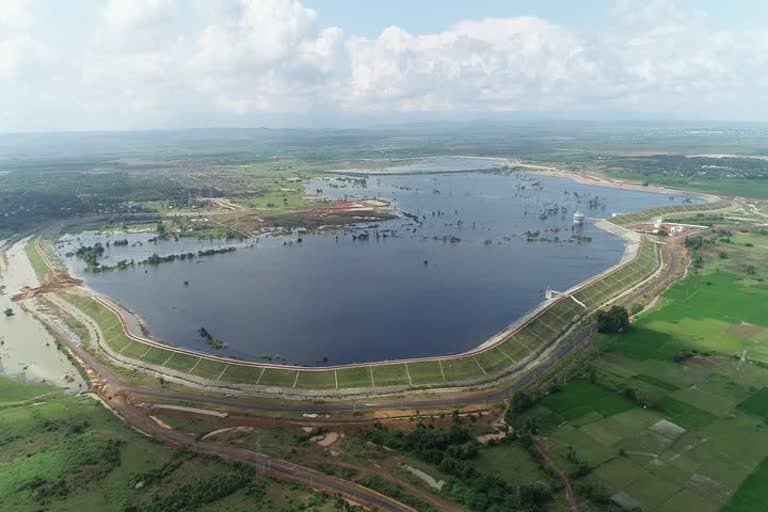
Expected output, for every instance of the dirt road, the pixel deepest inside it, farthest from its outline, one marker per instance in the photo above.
(114, 393)
(118, 394)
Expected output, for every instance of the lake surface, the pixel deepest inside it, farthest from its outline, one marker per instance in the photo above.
(439, 285)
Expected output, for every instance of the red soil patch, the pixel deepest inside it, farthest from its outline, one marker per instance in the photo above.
(56, 280)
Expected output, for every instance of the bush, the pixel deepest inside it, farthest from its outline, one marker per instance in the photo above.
(615, 320)
(683, 356)
(453, 451)
(192, 496)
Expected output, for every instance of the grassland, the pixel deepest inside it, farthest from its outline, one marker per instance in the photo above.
(69, 453)
(662, 211)
(12, 391)
(36, 260)
(754, 188)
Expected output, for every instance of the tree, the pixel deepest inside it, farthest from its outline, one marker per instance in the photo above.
(8, 312)
(614, 320)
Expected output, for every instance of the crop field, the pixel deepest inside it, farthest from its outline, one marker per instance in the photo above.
(757, 188)
(687, 449)
(511, 462)
(751, 494)
(70, 453)
(731, 329)
(674, 416)
(538, 332)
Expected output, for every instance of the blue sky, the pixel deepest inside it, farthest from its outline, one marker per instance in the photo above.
(369, 18)
(121, 64)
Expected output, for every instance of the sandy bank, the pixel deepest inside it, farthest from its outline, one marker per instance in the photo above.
(588, 178)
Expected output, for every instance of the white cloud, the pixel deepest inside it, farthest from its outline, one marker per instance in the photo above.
(122, 15)
(166, 62)
(22, 55)
(499, 64)
(16, 13)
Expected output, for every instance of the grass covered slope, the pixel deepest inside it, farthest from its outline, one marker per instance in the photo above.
(36, 260)
(13, 391)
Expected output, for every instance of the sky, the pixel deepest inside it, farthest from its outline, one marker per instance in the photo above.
(145, 64)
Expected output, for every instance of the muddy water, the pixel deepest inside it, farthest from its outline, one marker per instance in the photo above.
(27, 349)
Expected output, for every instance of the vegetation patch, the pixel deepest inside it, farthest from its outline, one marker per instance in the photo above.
(390, 375)
(756, 404)
(751, 495)
(12, 391)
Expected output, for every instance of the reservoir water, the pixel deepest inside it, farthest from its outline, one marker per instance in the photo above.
(476, 251)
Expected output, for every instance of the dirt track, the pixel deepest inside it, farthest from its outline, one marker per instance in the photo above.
(543, 449)
(115, 394)
(56, 280)
(118, 395)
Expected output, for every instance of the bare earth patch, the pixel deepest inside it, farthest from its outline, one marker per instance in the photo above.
(745, 331)
(667, 429)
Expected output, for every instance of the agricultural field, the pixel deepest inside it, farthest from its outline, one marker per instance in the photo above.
(732, 175)
(70, 453)
(671, 416)
(753, 188)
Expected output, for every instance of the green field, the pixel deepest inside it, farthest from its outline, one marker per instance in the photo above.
(675, 420)
(702, 312)
(37, 262)
(751, 494)
(512, 463)
(737, 187)
(580, 398)
(12, 391)
(70, 453)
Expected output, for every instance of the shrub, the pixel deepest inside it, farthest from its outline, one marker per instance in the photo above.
(615, 320)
